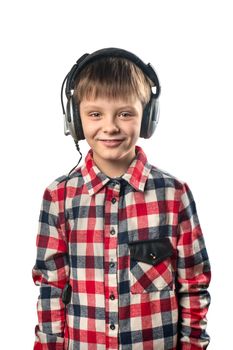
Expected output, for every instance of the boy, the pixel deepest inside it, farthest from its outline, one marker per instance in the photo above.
(121, 259)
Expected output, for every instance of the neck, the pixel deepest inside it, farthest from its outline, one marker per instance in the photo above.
(113, 168)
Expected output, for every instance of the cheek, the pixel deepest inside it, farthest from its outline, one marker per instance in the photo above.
(88, 128)
(134, 129)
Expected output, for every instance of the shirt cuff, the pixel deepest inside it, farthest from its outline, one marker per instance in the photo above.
(45, 341)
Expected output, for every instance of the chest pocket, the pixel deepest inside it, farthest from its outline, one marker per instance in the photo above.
(150, 265)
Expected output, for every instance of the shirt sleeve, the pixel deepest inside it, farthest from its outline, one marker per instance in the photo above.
(193, 276)
(50, 272)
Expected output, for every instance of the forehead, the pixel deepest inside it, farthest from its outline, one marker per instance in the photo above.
(111, 102)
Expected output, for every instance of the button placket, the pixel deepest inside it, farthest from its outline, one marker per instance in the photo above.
(111, 231)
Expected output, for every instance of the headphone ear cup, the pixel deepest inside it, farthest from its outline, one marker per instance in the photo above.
(72, 122)
(150, 118)
(78, 129)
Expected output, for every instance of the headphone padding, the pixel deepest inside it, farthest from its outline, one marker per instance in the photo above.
(149, 118)
(77, 120)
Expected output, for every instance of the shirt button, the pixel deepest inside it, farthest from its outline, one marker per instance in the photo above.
(112, 231)
(113, 200)
(153, 256)
(112, 326)
(112, 264)
(112, 296)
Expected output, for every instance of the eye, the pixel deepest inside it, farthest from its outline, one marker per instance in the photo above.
(94, 114)
(125, 114)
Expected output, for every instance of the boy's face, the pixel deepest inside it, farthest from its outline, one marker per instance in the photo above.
(111, 128)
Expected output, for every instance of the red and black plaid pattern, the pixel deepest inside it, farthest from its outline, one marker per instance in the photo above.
(154, 297)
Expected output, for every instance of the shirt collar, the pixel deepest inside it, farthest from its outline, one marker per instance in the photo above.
(136, 174)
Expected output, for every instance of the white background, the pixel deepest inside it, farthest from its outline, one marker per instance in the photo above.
(190, 45)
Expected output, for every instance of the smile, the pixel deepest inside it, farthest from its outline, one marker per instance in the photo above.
(111, 143)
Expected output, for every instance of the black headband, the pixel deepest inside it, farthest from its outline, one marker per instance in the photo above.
(84, 60)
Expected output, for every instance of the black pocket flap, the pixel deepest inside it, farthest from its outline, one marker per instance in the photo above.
(151, 251)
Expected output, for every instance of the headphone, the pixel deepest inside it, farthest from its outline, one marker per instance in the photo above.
(72, 120)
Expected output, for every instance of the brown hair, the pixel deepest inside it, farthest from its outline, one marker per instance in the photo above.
(113, 78)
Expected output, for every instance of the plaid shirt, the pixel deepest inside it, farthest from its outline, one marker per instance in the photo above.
(138, 265)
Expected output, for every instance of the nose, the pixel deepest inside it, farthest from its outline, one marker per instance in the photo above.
(110, 125)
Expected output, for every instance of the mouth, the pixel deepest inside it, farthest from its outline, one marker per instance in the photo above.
(111, 139)
(111, 143)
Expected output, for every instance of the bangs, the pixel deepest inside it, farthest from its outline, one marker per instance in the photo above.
(112, 78)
